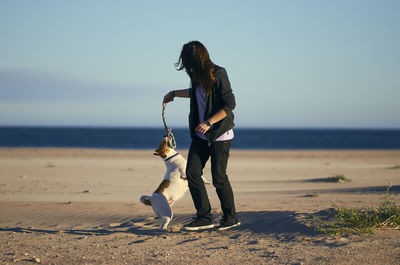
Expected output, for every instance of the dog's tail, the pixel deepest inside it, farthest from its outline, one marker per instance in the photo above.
(145, 200)
(206, 181)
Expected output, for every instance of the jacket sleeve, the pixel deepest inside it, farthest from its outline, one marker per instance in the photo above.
(227, 96)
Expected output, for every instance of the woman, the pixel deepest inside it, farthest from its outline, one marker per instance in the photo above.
(210, 123)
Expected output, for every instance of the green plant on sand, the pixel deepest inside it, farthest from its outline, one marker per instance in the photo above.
(311, 195)
(338, 178)
(360, 221)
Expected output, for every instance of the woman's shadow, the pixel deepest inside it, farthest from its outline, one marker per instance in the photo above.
(276, 223)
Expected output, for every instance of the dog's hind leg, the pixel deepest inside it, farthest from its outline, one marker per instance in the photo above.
(161, 208)
(165, 222)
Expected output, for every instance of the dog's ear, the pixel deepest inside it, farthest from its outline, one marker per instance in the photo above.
(165, 145)
(162, 149)
(166, 140)
(158, 151)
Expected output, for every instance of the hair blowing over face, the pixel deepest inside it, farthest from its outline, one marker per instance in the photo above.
(195, 60)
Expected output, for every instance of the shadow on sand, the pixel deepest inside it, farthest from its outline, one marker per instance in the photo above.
(278, 223)
(281, 224)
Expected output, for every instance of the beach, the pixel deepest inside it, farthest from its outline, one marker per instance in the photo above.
(81, 206)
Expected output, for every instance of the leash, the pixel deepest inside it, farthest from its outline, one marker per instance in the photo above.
(170, 135)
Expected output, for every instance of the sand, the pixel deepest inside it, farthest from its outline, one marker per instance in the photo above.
(81, 206)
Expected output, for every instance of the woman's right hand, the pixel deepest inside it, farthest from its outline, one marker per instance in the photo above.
(168, 97)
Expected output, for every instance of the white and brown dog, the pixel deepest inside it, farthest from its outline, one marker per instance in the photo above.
(172, 187)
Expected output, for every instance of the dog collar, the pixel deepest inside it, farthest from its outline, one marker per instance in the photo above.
(171, 157)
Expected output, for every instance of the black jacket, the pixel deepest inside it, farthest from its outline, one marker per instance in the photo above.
(221, 97)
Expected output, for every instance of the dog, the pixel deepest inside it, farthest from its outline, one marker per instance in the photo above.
(172, 187)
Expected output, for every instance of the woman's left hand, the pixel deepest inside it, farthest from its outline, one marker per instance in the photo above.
(202, 128)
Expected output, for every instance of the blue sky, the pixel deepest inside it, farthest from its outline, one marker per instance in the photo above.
(295, 64)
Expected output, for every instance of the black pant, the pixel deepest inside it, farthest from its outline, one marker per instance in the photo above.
(199, 153)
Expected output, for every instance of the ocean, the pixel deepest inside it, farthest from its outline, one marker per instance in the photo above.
(245, 138)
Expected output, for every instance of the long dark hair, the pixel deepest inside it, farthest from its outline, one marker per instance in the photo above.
(195, 60)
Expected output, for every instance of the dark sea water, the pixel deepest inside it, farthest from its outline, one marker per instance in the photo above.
(149, 138)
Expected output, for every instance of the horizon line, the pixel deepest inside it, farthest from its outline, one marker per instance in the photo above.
(185, 127)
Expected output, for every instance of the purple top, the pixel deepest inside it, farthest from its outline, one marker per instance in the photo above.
(201, 104)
